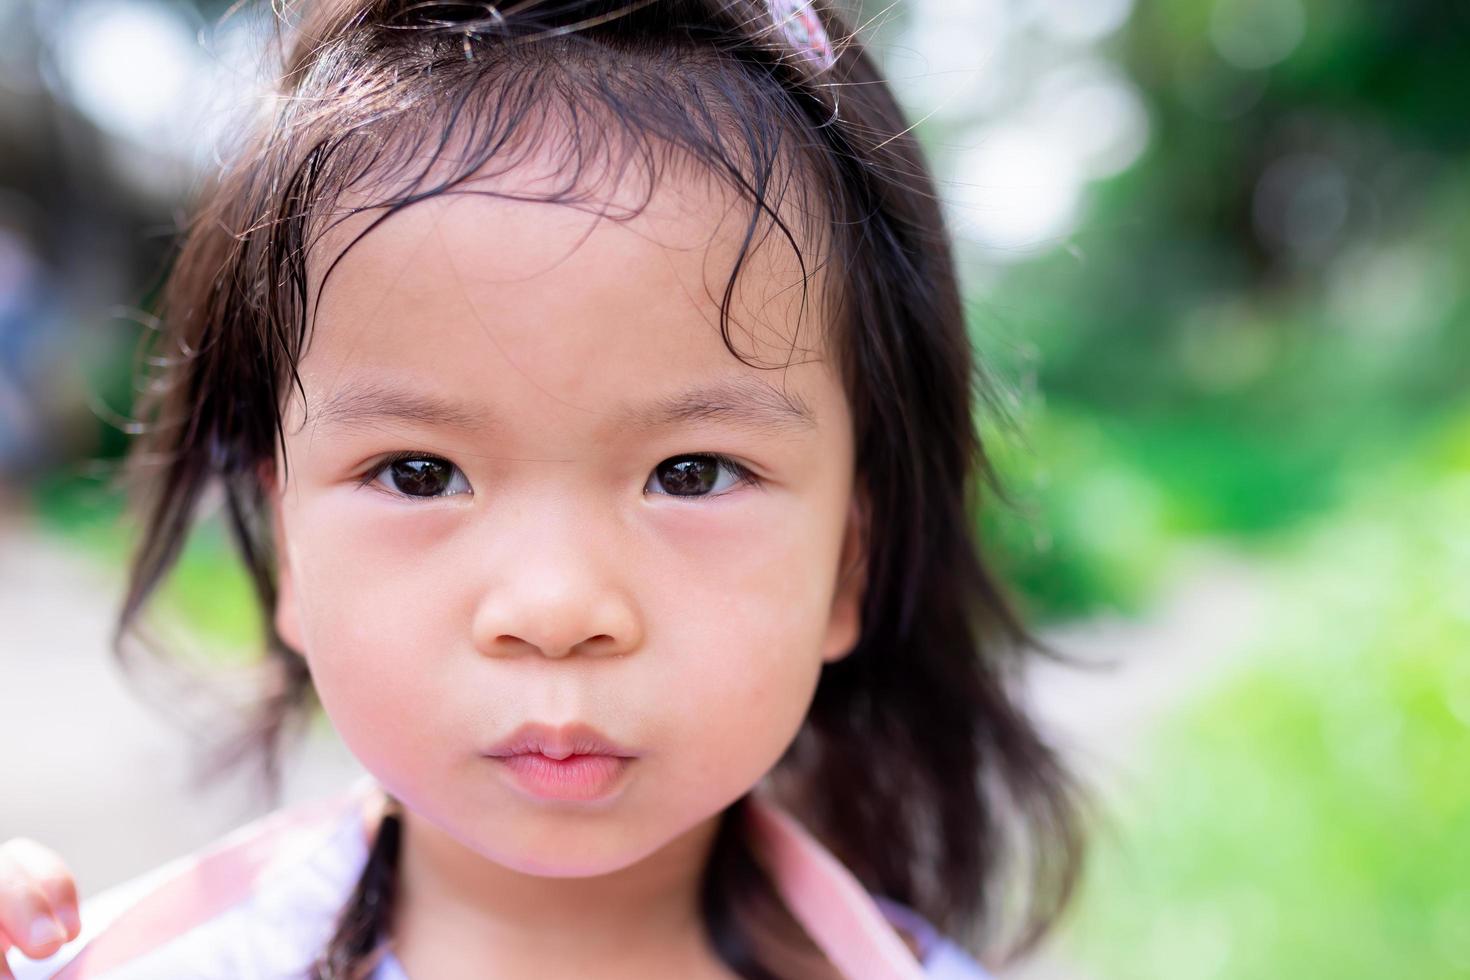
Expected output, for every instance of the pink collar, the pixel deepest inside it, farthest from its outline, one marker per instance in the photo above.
(833, 907)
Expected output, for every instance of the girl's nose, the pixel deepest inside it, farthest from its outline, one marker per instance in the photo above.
(559, 603)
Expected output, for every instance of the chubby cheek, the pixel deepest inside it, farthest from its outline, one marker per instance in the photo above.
(740, 715)
(745, 651)
(373, 632)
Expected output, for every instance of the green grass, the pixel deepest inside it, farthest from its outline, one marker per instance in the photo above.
(1311, 818)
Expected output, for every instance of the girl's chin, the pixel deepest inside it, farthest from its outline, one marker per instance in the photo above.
(529, 840)
(578, 859)
(585, 852)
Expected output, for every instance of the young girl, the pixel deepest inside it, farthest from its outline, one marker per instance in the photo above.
(589, 392)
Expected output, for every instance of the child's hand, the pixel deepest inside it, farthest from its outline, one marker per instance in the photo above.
(38, 901)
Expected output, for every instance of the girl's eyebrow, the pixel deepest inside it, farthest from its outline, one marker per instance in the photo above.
(745, 403)
(364, 402)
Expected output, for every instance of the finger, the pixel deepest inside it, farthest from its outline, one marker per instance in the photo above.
(48, 872)
(5, 973)
(25, 912)
(32, 930)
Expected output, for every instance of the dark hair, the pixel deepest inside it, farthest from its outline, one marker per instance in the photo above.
(916, 765)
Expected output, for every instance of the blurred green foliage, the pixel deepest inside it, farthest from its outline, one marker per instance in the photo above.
(1260, 336)
(1268, 307)
(1311, 818)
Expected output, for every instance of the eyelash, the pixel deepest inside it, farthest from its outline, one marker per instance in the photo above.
(743, 474)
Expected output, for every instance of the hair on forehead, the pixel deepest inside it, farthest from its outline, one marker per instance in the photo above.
(562, 120)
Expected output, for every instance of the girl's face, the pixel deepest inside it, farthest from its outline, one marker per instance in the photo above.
(558, 545)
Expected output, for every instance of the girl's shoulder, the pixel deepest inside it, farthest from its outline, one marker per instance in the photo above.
(261, 902)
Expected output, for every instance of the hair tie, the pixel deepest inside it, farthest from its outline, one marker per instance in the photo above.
(799, 24)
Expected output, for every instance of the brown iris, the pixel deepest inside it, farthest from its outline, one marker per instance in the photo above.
(688, 476)
(422, 477)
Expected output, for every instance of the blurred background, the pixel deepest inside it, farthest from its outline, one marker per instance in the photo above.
(1215, 255)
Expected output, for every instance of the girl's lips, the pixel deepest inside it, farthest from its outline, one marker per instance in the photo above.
(571, 762)
(558, 742)
(576, 778)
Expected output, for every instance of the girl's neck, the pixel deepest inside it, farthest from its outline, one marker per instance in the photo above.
(459, 914)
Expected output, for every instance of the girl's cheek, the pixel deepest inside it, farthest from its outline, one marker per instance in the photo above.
(741, 706)
(755, 609)
(365, 534)
(749, 586)
(368, 580)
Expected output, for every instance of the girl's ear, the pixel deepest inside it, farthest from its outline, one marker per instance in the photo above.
(846, 623)
(287, 621)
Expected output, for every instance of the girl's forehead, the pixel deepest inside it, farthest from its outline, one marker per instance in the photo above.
(592, 301)
(524, 224)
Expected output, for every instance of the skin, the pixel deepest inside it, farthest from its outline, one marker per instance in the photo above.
(38, 901)
(562, 583)
(555, 579)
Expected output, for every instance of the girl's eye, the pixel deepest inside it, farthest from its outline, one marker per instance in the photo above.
(696, 475)
(420, 476)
